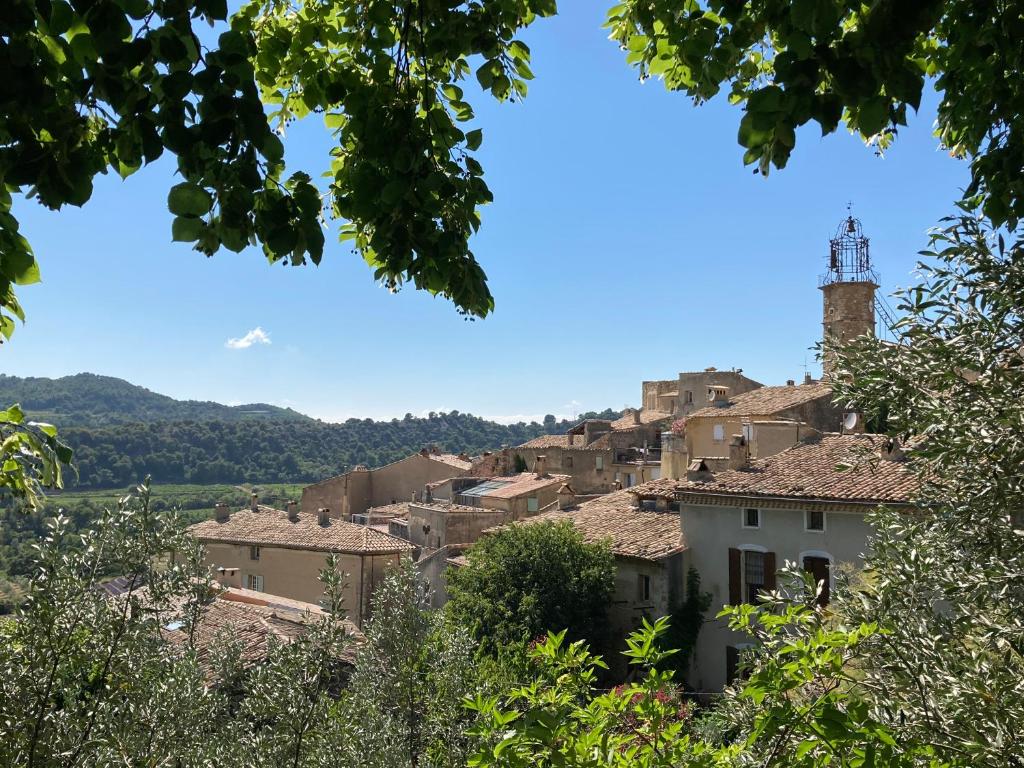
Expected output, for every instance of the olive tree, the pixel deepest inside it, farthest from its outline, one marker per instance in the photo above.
(946, 583)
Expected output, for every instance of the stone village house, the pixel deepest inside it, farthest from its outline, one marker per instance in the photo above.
(353, 492)
(800, 506)
(282, 553)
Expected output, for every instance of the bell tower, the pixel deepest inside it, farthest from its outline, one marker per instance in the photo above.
(848, 289)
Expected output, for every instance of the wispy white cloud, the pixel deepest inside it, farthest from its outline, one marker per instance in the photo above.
(256, 336)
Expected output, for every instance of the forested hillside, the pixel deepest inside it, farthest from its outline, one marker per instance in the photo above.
(86, 399)
(121, 433)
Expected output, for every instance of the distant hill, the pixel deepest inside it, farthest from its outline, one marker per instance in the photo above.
(121, 433)
(88, 400)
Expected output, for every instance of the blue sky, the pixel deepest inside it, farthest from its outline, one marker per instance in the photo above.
(626, 242)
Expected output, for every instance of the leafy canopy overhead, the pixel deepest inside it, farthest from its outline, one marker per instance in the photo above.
(791, 62)
(89, 86)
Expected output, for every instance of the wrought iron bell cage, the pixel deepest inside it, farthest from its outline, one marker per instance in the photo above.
(849, 257)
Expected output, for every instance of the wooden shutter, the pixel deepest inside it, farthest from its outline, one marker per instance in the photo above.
(732, 662)
(819, 568)
(735, 577)
(769, 571)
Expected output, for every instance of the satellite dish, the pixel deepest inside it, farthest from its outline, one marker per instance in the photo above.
(850, 421)
(711, 394)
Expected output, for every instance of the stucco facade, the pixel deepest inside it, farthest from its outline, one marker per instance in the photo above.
(692, 387)
(438, 525)
(805, 505)
(295, 573)
(715, 530)
(356, 491)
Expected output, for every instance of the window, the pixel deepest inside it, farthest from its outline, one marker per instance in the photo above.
(649, 504)
(719, 433)
(753, 575)
(531, 504)
(643, 588)
(689, 397)
(751, 518)
(750, 572)
(567, 462)
(815, 520)
(821, 569)
(599, 463)
(254, 582)
(254, 553)
(630, 479)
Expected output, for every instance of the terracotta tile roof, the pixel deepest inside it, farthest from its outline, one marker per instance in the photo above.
(399, 509)
(811, 472)
(547, 441)
(766, 401)
(632, 532)
(665, 488)
(451, 460)
(647, 416)
(562, 441)
(519, 485)
(271, 527)
(446, 506)
(254, 620)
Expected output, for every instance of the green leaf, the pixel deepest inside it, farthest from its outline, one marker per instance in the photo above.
(186, 229)
(187, 199)
(474, 138)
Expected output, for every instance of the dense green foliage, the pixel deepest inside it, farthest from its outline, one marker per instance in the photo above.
(946, 584)
(862, 64)
(685, 621)
(88, 400)
(89, 680)
(525, 579)
(405, 697)
(800, 709)
(268, 451)
(123, 432)
(94, 86)
(106, 85)
(31, 459)
(21, 531)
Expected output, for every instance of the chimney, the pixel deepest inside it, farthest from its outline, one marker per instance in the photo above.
(636, 416)
(718, 395)
(807, 378)
(323, 516)
(891, 450)
(698, 472)
(428, 494)
(617, 485)
(254, 504)
(220, 513)
(569, 439)
(293, 511)
(413, 497)
(739, 452)
(566, 496)
(790, 383)
(540, 466)
(424, 452)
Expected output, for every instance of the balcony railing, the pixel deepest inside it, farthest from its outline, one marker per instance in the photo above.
(634, 455)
